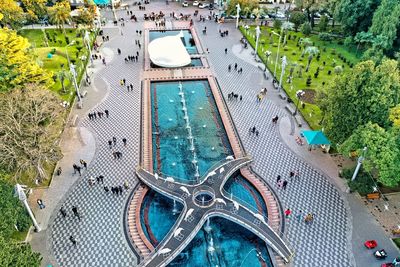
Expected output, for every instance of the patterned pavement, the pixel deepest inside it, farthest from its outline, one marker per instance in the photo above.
(100, 237)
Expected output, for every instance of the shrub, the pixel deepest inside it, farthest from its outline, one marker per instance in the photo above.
(348, 41)
(363, 184)
(324, 63)
(323, 83)
(323, 23)
(340, 42)
(324, 36)
(333, 51)
(53, 51)
(308, 82)
(316, 75)
(277, 24)
(67, 39)
(318, 56)
(329, 72)
(293, 53)
(285, 49)
(324, 49)
(338, 70)
(306, 28)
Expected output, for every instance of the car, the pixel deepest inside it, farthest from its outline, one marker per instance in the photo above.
(185, 4)
(280, 15)
(203, 5)
(195, 3)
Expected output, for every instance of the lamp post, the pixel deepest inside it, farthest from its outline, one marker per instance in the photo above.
(237, 15)
(284, 63)
(113, 10)
(277, 54)
(258, 32)
(259, 255)
(359, 163)
(19, 191)
(299, 94)
(73, 72)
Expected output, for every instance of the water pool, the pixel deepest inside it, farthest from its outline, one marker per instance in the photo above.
(102, 2)
(187, 39)
(195, 62)
(173, 151)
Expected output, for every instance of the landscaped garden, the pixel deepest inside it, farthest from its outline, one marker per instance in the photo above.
(50, 47)
(312, 60)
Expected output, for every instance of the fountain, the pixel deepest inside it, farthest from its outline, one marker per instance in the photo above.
(207, 228)
(175, 208)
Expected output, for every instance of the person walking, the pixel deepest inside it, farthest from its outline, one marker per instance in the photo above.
(110, 144)
(299, 215)
(106, 112)
(284, 184)
(229, 67)
(287, 213)
(235, 67)
(226, 51)
(278, 179)
(114, 140)
(83, 163)
(73, 241)
(76, 213)
(63, 212)
(291, 175)
(124, 141)
(75, 168)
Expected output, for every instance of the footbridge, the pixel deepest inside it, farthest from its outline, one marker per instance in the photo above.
(202, 200)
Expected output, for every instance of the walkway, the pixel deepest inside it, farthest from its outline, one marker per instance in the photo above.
(196, 211)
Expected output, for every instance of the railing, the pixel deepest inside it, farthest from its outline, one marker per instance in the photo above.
(232, 123)
(247, 206)
(206, 190)
(141, 125)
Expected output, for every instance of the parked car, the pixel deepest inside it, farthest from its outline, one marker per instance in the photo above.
(196, 3)
(185, 4)
(203, 5)
(280, 15)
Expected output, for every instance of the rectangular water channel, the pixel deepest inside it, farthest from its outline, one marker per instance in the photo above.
(186, 143)
(187, 39)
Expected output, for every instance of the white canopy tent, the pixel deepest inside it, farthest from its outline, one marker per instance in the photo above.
(169, 52)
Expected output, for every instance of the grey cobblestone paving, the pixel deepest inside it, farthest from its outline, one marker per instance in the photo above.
(326, 239)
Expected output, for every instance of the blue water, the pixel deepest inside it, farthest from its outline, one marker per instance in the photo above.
(232, 243)
(189, 45)
(195, 62)
(172, 145)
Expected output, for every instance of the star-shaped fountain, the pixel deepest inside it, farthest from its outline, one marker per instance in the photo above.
(201, 201)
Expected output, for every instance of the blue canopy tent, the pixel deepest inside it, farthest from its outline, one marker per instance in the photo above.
(316, 138)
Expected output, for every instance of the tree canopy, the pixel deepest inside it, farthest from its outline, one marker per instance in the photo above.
(361, 96)
(12, 13)
(27, 129)
(297, 18)
(356, 15)
(383, 154)
(60, 14)
(244, 4)
(17, 64)
(15, 254)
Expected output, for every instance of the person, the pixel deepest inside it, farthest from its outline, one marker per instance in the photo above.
(40, 203)
(124, 141)
(59, 171)
(110, 144)
(126, 185)
(229, 67)
(299, 215)
(119, 51)
(73, 241)
(226, 51)
(278, 179)
(288, 212)
(284, 184)
(63, 212)
(76, 213)
(91, 180)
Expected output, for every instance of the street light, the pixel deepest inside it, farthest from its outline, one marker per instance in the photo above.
(19, 191)
(277, 54)
(299, 94)
(237, 15)
(359, 163)
(259, 255)
(258, 32)
(113, 10)
(284, 63)
(73, 72)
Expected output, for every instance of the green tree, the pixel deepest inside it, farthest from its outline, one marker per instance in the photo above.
(356, 15)
(386, 22)
(310, 8)
(394, 116)
(331, 6)
(383, 154)
(277, 24)
(297, 18)
(250, 4)
(29, 131)
(17, 64)
(14, 254)
(311, 51)
(363, 95)
(323, 23)
(35, 9)
(306, 28)
(60, 14)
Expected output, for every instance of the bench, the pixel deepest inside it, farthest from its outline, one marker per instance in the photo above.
(297, 119)
(282, 96)
(74, 121)
(290, 109)
(84, 93)
(376, 195)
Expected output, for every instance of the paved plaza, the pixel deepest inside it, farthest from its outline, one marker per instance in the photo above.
(100, 233)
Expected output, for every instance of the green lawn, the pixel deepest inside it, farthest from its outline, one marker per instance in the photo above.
(57, 43)
(397, 241)
(329, 53)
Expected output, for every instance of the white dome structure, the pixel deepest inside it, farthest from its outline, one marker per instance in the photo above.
(169, 52)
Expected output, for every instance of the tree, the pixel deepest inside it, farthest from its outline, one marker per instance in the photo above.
(12, 13)
(310, 7)
(306, 28)
(394, 116)
(286, 26)
(297, 18)
(62, 75)
(331, 6)
(251, 4)
(323, 23)
(363, 95)
(14, 254)
(60, 14)
(277, 24)
(383, 154)
(34, 8)
(386, 22)
(311, 51)
(28, 130)
(305, 42)
(17, 64)
(355, 15)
